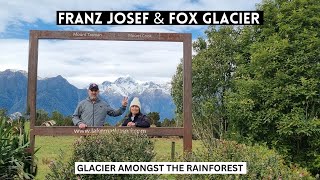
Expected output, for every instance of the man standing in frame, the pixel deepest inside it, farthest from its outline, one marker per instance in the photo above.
(92, 111)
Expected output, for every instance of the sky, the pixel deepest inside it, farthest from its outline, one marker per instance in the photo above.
(83, 62)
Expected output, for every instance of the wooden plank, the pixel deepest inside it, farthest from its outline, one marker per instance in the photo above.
(187, 94)
(114, 36)
(32, 88)
(32, 77)
(32, 85)
(75, 131)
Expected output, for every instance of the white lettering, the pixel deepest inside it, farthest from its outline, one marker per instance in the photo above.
(246, 18)
(231, 18)
(89, 18)
(78, 19)
(145, 17)
(131, 20)
(116, 17)
(171, 17)
(193, 18)
(185, 17)
(61, 16)
(255, 17)
(69, 18)
(204, 18)
(224, 19)
(98, 21)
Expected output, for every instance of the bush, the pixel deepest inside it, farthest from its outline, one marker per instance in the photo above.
(262, 163)
(113, 146)
(15, 161)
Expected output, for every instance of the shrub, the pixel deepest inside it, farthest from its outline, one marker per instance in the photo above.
(15, 161)
(113, 146)
(262, 163)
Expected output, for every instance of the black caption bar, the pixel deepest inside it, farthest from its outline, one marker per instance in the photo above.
(159, 17)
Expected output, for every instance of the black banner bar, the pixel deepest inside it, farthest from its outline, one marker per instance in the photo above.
(159, 17)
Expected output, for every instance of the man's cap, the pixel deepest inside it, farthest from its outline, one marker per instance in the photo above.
(93, 86)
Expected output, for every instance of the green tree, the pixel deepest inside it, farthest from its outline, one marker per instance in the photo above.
(275, 96)
(68, 121)
(168, 123)
(42, 116)
(154, 118)
(57, 116)
(3, 112)
(212, 69)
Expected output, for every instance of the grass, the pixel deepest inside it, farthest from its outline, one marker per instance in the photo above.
(50, 148)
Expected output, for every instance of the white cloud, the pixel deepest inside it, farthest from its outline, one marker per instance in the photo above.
(202, 5)
(15, 11)
(82, 62)
(14, 54)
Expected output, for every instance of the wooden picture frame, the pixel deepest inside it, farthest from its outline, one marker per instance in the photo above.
(185, 38)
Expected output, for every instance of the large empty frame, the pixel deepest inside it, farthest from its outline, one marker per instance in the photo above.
(186, 131)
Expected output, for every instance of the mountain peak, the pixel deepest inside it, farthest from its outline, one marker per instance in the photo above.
(13, 71)
(106, 83)
(126, 79)
(127, 86)
(60, 77)
(151, 84)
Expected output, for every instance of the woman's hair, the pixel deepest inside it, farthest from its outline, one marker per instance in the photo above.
(130, 114)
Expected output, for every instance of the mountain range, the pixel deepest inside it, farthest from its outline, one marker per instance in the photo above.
(56, 93)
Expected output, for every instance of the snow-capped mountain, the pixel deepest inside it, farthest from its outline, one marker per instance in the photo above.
(127, 86)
